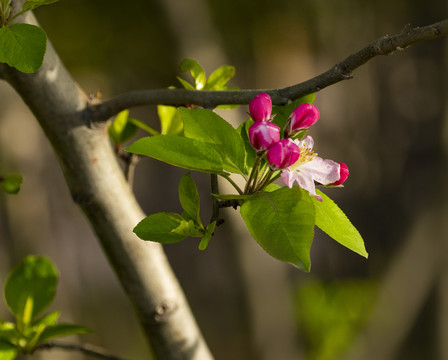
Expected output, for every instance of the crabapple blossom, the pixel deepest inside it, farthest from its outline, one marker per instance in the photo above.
(310, 168)
(262, 134)
(283, 154)
(302, 117)
(260, 107)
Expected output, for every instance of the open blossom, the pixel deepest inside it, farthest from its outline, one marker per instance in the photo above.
(310, 168)
(260, 107)
(302, 117)
(283, 154)
(262, 134)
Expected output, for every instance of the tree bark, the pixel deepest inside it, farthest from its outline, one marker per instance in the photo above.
(97, 184)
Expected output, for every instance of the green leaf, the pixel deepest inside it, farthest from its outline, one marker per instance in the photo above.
(7, 351)
(23, 46)
(179, 151)
(159, 227)
(32, 4)
(207, 235)
(189, 198)
(140, 124)
(121, 129)
(332, 220)
(187, 228)
(48, 319)
(282, 222)
(243, 130)
(208, 127)
(30, 288)
(170, 120)
(60, 330)
(196, 71)
(185, 84)
(282, 112)
(11, 183)
(220, 77)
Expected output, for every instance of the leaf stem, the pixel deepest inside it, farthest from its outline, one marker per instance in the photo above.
(215, 203)
(253, 175)
(229, 179)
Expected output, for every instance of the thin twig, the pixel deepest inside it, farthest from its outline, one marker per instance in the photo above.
(86, 349)
(385, 45)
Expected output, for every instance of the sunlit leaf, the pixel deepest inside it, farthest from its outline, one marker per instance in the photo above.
(60, 330)
(220, 77)
(196, 71)
(207, 235)
(282, 222)
(11, 183)
(332, 220)
(170, 120)
(32, 4)
(179, 151)
(7, 351)
(121, 129)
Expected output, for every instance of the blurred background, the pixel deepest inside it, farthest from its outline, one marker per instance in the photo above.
(389, 124)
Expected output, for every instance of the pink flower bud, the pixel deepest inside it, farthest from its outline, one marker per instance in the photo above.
(283, 154)
(302, 117)
(343, 174)
(260, 108)
(262, 134)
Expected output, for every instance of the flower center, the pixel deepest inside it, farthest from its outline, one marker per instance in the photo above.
(306, 155)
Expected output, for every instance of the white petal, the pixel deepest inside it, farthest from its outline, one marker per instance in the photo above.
(323, 171)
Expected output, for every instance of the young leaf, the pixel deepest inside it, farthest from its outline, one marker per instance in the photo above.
(196, 71)
(48, 319)
(159, 228)
(31, 287)
(332, 220)
(185, 84)
(121, 129)
(220, 77)
(243, 130)
(11, 183)
(207, 235)
(7, 351)
(282, 222)
(23, 46)
(179, 151)
(32, 4)
(140, 124)
(170, 120)
(208, 127)
(60, 330)
(189, 198)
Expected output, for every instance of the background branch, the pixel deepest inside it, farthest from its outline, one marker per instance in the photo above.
(385, 45)
(86, 349)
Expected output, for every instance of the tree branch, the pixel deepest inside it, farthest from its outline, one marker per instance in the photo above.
(385, 45)
(98, 186)
(89, 350)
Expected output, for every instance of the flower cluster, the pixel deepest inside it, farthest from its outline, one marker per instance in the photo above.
(295, 158)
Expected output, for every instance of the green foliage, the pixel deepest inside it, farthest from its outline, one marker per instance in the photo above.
(332, 220)
(30, 288)
(170, 120)
(329, 315)
(280, 219)
(196, 71)
(11, 183)
(209, 128)
(179, 151)
(282, 222)
(32, 4)
(22, 46)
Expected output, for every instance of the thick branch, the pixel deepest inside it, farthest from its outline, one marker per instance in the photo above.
(209, 99)
(97, 184)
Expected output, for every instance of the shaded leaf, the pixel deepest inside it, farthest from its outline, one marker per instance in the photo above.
(7, 351)
(282, 222)
(332, 220)
(159, 227)
(207, 235)
(189, 198)
(60, 330)
(23, 46)
(179, 151)
(32, 4)
(121, 129)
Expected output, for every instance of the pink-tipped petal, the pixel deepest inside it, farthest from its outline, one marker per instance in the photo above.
(343, 174)
(302, 117)
(283, 154)
(323, 171)
(260, 108)
(262, 134)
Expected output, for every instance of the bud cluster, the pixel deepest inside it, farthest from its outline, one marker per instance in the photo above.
(285, 154)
